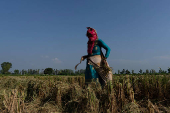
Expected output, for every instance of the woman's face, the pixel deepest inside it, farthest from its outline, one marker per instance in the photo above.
(88, 34)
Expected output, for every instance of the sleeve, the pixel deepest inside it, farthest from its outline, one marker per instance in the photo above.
(106, 47)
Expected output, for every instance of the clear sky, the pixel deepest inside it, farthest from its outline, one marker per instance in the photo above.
(36, 34)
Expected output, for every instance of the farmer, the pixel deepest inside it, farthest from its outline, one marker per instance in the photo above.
(94, 59)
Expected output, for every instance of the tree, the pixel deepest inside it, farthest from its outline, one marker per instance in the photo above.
(60, 72)
(5, 67)
(127, 71)
(132, 71)
(16, 71)
(168, 70)
(118, 71)
(72, 72)
(38, 71)
(164, 71)
(147, 71)
(48, 71)
(28, 71)
(150, 71)
(22, 72)
(31, 72)
(160, 70)
(56, 72)
(25, 72)
(140, 71)
(123, 71)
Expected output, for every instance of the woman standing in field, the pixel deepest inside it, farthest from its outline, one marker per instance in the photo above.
(97, 66)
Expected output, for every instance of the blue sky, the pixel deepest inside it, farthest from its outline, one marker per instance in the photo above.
(51, 33)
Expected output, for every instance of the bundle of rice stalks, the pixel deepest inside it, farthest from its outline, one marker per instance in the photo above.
(131, 108)
(14, 103)
(74, 99)
(93, 102)
(52, 93)
(32, 90)
(81, 81)
(152, 108)
(113, 108)
(120, 96)
(168, 90)
(10, 83)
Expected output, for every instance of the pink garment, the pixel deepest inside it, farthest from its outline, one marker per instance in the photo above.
(92, 35)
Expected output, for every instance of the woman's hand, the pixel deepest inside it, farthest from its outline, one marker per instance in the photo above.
(83, 57)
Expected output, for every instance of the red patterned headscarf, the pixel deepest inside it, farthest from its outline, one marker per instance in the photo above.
(92, 35)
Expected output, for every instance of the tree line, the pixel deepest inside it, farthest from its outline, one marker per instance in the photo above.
(147, 71)
(50, 71)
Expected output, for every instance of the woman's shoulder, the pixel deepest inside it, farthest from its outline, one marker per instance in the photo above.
(100, 40)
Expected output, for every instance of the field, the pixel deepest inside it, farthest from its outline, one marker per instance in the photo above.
(54, 94)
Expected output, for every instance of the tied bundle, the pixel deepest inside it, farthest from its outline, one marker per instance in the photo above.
(103, 70)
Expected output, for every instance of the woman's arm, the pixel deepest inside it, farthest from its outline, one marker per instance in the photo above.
(106, 47)
(84, 57)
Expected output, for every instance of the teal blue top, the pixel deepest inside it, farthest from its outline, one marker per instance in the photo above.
(97, 48)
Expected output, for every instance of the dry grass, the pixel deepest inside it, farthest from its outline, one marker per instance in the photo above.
(14, 102)
(128, 94)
